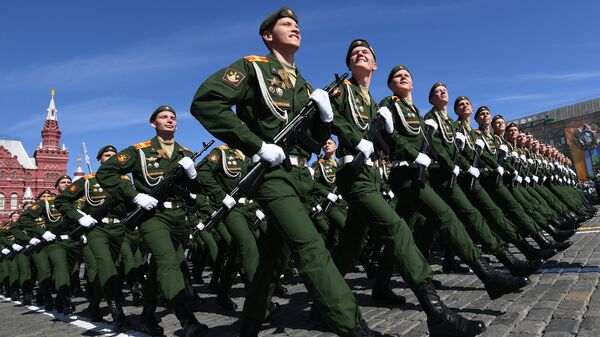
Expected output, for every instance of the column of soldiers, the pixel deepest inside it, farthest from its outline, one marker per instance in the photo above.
(403, 184)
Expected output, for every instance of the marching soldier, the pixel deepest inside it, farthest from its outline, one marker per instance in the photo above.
(268, 91)
(163, 230)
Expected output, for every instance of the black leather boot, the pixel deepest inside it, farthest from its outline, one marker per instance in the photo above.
(95, 297)
(451, 265)
(516, 266)
(382, 293)
(360, 330)
(184, 313)
(118, 316)
(442, 321)
(148, 322)
(225, 302)
(250, 327)
(544, 243)
(557, 234)
(64, 295)
(496, 283)
(531, 252)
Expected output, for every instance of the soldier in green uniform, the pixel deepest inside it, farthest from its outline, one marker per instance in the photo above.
(104, 240)
(268, 91)
(16, 272)
(164, 229)
(220, 171)
(356, 109)
(414, 192)
(503, 196)
(468, 181)
(440, 179)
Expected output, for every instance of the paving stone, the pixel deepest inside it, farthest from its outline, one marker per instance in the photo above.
(562, 325)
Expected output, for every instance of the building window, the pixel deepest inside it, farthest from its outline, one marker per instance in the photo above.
(13, 201)
(1, 202)
(563, 140)
(551, 141)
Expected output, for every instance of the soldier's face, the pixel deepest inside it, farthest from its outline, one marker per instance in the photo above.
(15, 217)
(483, 118)
(106, 155)
(512, 133)
(284, 34)
(440, 96)
(535, 145)
(165, 122)
(464, 109)
(362, 58)
(402, 83)
(329, 147)
(499, 125)
(529, 139)
(521, 139)
(63, 184)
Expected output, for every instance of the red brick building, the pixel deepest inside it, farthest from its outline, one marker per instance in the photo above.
(24, 177)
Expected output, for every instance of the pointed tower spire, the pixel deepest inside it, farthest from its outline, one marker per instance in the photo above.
(52, 107)
(79, 172)
(28, 194)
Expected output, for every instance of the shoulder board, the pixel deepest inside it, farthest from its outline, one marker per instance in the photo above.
(89, 176)
(125, 177)
(477, 131)
(321, 160)
(142, 145)
(186, 149)
(394, 98)
(347, 82)
(223, 147)
(50, 198)
(255, 58)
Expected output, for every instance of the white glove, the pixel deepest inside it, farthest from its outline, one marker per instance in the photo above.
(523, 157)
(317, 209)
(84, 239)
(260, 215)
(527, 180)
(271, 153)
(48, 236)
(387, 116)
(145, 201)
(474, 172)
(432, 124)
(514, 154)
(229, 201)
(188, 165)
(544, 179)
(535, 179)
(34, 241)
(530, 161)
(461, 137)
(515, 173)
(16, 247)
(556, 176)
(480, 144)
(560, 180)
(5, 251)
(391, 194)
(500, 170)
(423, 160)
(545, 162)
(193, 196)
(200, 226)
(519, 179)
(332, 197)
(87, 221)
(504, 148)
(366, 147)
(456, 170)
(539, 161)
(551, 178)
(321, 99)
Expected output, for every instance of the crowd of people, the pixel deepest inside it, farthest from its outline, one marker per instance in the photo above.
(390, 186)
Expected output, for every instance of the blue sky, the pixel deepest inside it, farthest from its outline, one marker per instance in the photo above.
(113, 62)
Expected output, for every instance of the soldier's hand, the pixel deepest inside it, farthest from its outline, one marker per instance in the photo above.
(473, 171)
(229, 201)
(271, 153)
(366, 147)
(504, 148)
(456, 170)
(260, 215)
(432, 124)
(321, 99)
(480, 144)
(391, 194)
(461, 138)
(536, 179)
(527, 180)
(16, 247)
(200, 226)
(145, 201)
(188, 166)
(34, 241)
(387, 116)
(48, 236)
(519, 179)
(500, 170)
(5, 251)
(332, 197)
(87, 221)
(423, 160)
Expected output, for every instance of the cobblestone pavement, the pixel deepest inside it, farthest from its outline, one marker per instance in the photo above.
(561, 301)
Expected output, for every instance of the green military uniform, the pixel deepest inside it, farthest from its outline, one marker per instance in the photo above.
(283, 191)
(324, 175)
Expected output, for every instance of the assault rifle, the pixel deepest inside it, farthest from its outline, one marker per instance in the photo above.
(294, 132)
(425, 148)
(374, 136)
(162, 189)
(459, 146)
(478, 152)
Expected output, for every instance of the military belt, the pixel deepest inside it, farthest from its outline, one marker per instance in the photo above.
(298, 161)
(245, 201)
(349, 158)
(64, 237)
(173, 204)
(110, 220)
(404, 163)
